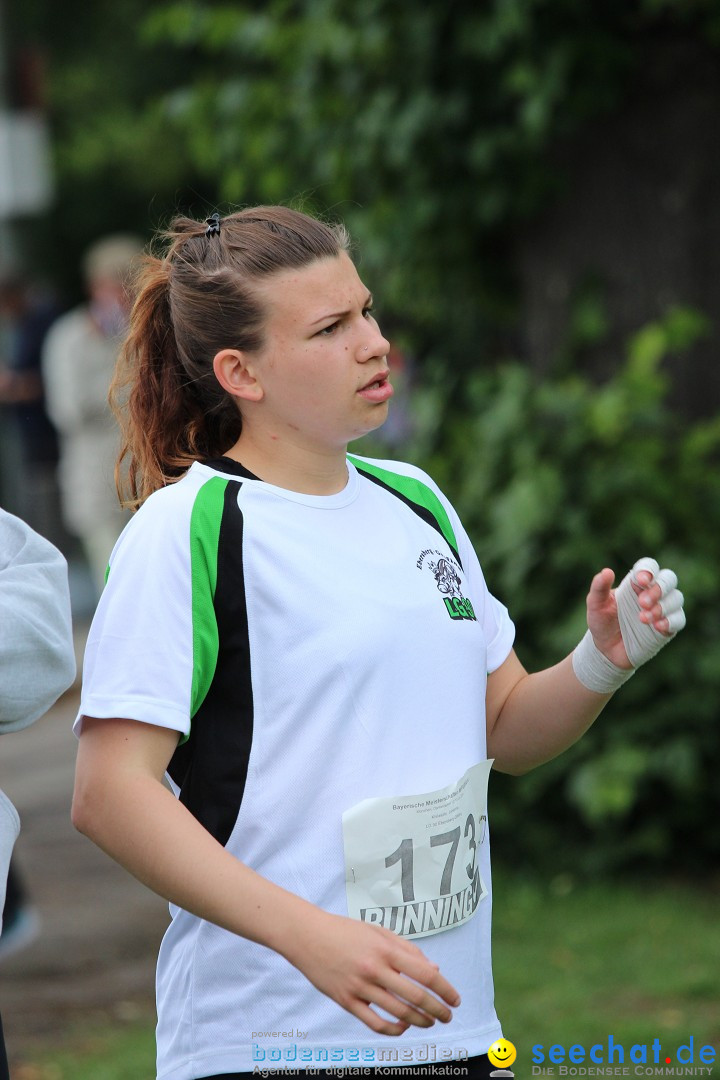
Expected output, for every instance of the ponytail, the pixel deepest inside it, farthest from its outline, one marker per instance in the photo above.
(164, 422)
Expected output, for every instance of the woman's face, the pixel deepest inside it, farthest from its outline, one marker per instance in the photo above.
(323, 365)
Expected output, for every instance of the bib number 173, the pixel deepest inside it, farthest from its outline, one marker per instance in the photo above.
(404, 855)
(412, 862)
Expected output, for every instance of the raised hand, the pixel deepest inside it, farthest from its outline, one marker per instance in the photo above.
(627, 626)
(631, 624)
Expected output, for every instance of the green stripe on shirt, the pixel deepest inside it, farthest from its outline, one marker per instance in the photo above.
(416, 492)
(205, 524)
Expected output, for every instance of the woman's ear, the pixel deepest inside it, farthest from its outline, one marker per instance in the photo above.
(235, 372)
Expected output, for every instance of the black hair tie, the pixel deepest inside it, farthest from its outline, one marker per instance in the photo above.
(213, 225)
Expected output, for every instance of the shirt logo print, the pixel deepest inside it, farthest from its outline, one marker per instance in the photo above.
(446, 572)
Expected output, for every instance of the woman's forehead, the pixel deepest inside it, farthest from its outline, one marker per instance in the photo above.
(330, 284)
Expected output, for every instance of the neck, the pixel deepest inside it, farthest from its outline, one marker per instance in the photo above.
(305, 469)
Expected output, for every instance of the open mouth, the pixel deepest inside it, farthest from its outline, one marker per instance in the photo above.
(377, 381)
(378, 389)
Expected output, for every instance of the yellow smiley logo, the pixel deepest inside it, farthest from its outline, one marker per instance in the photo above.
(502, 1053)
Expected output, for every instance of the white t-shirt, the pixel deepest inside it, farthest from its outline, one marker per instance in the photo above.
(317, 651)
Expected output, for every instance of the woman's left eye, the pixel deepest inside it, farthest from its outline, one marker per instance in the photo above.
(327, 331)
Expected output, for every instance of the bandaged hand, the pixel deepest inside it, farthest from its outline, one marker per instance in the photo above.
(627, 625)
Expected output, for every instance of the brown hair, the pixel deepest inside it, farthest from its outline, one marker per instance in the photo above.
(191, 302)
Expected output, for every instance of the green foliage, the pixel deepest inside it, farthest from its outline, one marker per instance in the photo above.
(422, 126)
(426, 127)
(574, 962)
(553, 481)
(117, 165)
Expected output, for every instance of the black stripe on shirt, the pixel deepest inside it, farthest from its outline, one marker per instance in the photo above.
(210, 768)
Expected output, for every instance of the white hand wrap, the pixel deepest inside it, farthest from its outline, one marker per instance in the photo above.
(595, 671)
(641, 640)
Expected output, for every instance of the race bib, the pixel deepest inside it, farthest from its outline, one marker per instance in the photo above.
(411, 862)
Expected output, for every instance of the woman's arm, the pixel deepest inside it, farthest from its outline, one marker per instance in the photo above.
(533, 718)
(123, 805)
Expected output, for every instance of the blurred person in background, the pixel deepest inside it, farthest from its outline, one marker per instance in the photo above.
(78, 360)
(27, 311)
(37, 659)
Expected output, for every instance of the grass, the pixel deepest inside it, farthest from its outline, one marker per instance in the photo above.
(125, 1051)
(574, 964)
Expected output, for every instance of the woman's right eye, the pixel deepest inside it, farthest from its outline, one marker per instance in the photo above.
(327, 330)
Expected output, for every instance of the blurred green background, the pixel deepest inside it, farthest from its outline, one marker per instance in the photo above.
(532, 186)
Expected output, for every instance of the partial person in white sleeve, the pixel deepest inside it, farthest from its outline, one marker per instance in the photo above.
(37, 659)
(303, 641)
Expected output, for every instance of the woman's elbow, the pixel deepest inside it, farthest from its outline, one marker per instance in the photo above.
(512, 766)
(81, 811)
(90, 804)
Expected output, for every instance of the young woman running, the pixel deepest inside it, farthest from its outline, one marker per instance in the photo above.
(303, 641)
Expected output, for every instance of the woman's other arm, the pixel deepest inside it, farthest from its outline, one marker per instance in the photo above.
(533, 718)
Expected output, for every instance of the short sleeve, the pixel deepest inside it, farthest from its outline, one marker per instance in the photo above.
(498, 628)
(139, 656)
(497, 625)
